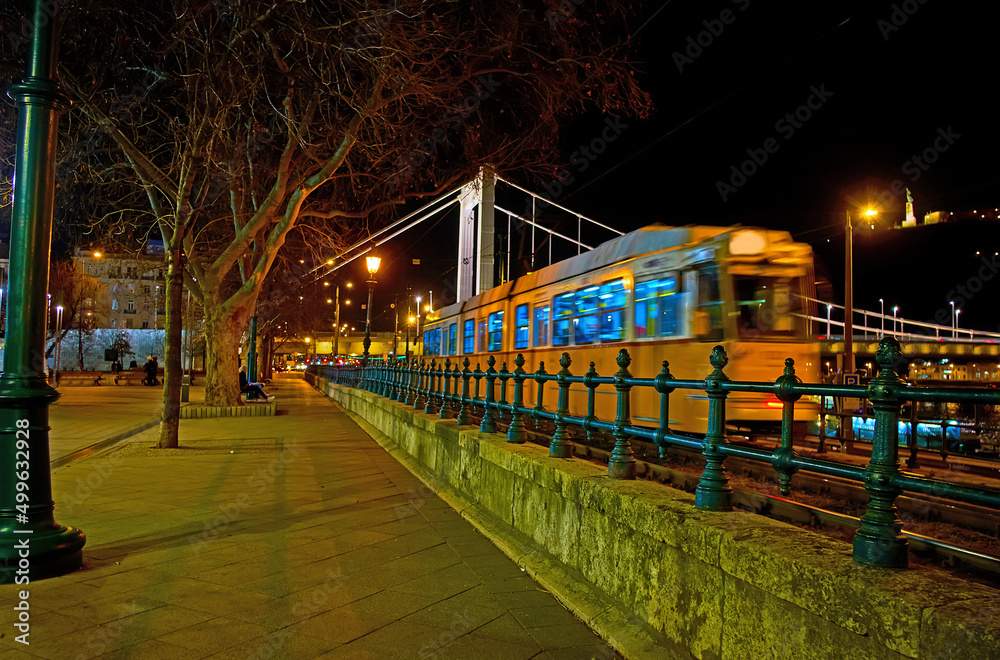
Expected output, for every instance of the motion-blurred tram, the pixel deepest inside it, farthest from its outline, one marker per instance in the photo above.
(664, 293)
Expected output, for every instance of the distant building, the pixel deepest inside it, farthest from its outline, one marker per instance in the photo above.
(938, 217)
(133, 293)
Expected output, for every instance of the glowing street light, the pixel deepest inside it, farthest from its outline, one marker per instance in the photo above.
(373, 264)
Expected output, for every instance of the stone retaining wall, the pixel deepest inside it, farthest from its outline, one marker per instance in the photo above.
(659, 578)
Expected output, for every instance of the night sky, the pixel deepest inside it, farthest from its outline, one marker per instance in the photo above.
(892, 86)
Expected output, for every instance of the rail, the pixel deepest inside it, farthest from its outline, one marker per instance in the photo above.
(879, 540)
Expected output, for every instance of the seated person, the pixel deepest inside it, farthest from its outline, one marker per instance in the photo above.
(246, 387)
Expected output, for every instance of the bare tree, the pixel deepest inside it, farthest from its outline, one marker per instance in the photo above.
(243, 121)
(77, 293)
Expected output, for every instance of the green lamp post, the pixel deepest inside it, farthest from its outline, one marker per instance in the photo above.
(32, 544)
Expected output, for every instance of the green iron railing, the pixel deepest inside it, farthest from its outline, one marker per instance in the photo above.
(434, 388)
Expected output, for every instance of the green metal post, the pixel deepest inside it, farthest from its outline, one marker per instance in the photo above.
(879, 541)
(660, 384)
(489, 423)
(784, 455)
(591, 385)
(713, 491)
(622, 463)
(502, 405)
(516, 431)
(32, 545)
(561, 446)
(445, 411)
(536, 419)
(477, 401)
(429, 407)
(463, 409)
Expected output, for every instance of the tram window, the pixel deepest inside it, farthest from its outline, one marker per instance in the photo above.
(542, 325)
(469, 336)
(612, 304)
(766, 306)
(708, 315)
(482, 336)
(522, 326)
(452, 339)
(657, 307)
(496, 331)
(585, 325)
(585, 329)
(561, 317)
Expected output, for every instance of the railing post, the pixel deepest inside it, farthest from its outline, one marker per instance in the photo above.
(463, 409)
(516, 432)
(591, 385)
(392, 381)
(879, 542)
(561, 446)
(784, 389)
(489, 421)
(406, 396)
(429, 407)
(660, 383)
(445, 411)
(502, 405)
(713, 491)
(401, 376)
(912, 462)
(538, 378)
(622, 463)
(477, 401)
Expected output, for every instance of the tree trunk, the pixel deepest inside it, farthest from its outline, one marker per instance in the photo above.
(170, 417)
(222, 342)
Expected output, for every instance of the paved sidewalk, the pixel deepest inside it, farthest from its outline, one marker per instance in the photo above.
(293, 536)
(82, 416)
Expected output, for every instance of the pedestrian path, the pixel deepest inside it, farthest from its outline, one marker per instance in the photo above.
(293, 536)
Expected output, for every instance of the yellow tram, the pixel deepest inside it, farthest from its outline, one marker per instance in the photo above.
(663, 293)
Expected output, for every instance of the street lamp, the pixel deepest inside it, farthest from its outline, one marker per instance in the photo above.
(416, 336)
(829, 309)
(373, 264)
(336, 320)
(849, 293)
(881, 302)
(954, 320)
(409, 322)
(957, 312)
(894, 310)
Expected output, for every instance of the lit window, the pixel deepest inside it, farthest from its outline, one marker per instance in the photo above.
(542, 325)
(469, 337)
(522, 327)
(496, 331)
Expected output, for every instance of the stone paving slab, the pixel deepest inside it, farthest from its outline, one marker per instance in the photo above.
(303, 539)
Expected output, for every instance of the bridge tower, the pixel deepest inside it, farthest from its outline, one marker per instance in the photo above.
(475, 235)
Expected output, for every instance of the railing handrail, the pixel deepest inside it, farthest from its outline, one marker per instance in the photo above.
(878, 541)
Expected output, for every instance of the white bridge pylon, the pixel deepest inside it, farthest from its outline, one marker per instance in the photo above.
(476, 232)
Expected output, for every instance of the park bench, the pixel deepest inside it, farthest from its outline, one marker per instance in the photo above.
(130, 377)
(74, 378)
